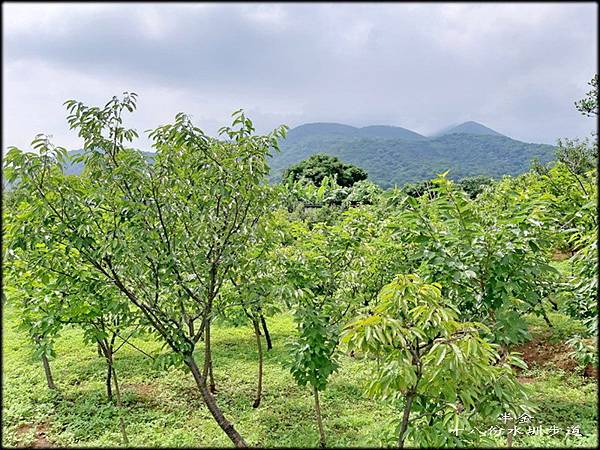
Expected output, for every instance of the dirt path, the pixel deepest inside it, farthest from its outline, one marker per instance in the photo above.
(40, 439)
(540, 353)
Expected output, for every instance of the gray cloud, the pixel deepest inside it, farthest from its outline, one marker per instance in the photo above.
(514, 67)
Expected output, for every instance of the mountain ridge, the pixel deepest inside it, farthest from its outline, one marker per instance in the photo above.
(335, 128)
(387, 131)
(469, 127)
(396, 156)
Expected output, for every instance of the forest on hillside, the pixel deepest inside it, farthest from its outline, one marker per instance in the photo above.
(186, 301)
(396, 161)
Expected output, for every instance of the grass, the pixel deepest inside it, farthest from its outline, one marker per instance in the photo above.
(563, 327)
(564, 400)
(165, 409)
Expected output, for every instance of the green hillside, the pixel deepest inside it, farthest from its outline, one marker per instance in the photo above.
(399, 161)
(395, 156)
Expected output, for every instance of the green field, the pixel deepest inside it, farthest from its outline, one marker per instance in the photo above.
(163, 407)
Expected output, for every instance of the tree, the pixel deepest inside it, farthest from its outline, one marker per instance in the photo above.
(589, 105)
(492, 261)
(165, 234)
(319, 166)
(51, 288)
(321, 288)
(582, 286)
(431, 364)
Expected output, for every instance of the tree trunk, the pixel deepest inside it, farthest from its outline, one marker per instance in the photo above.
(266, 330)
(120, 406)
(48, 373)
(207, 372)
(546, 319)
(409, 399)
(319, 419)
(107, 353)
(211, 378)
(509, 435)
(260, 364)
(46, 365)
(216, 412)
(109, 373)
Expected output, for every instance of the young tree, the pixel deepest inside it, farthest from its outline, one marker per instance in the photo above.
(167, 233)
(52, 287)
(22, 287)
(321, 289)
(439, 371)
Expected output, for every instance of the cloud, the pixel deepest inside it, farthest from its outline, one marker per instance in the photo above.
(516, 68)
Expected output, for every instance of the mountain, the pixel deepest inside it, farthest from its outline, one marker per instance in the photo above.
(395, 156)
(389, 132)
(321, 129)
(338, 129)
(468, 128)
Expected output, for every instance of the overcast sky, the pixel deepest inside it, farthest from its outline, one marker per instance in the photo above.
(516, 68)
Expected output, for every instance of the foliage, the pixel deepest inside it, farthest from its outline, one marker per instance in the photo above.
(578, 156)
(165, 234)
(319, 166)
(314, 350)
(583, 287)
(491, 266)
(252, 280)
(364, 192)
(330, 193)
(589, 105)
(586, 353)
(474, 185)
(432, 366)
(327, 192)
(419, 189)
(569, 201)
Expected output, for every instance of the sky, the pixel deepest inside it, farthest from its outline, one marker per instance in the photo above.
(514, 67)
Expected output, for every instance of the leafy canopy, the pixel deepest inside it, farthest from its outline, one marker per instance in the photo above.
(438, 369)
(319, 166)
